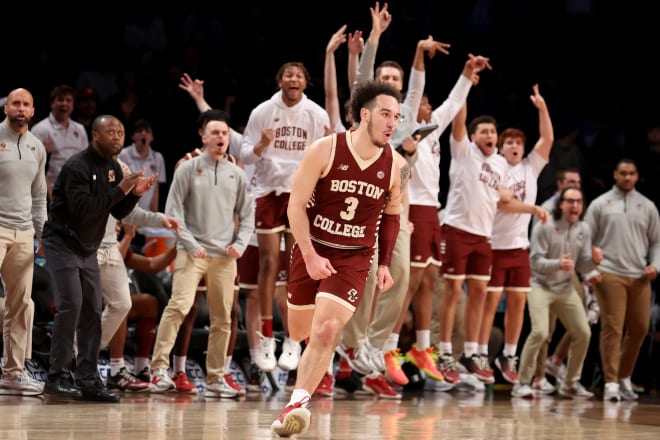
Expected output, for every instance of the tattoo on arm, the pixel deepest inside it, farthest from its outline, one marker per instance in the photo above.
(405, 174)
(388, 196)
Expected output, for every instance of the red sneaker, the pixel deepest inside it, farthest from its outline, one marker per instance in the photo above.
(475, 365)
(507, 366)
(377, 384)
(447, 365)
(183, 385)
(124, 380)
(294, 419)
(232, 383)
(325, 387)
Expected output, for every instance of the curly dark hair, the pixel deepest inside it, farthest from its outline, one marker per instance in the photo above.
(364, 96)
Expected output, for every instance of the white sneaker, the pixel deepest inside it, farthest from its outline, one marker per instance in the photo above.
(220, 388)
(265, 358)
(627, 392)
(438, 385)
(290, 354)
(575, 391)
(376, 356)
(471, 382)
(357, 359)
(21, 385)
(542, 386)
(554, 370)
(611, 392)
(161, 382)
(522, 390)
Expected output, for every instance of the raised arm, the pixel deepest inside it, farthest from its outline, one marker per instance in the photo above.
(458, 127)
(196, 91)
(380, 21)
(330, 77)
(473, 66)
(355, 48)
(546, 133)
(417, 78)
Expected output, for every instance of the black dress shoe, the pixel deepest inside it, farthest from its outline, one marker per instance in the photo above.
(61, 386)
(97, 392)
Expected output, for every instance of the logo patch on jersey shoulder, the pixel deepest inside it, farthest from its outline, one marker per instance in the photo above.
(111, 176)
(380, 174)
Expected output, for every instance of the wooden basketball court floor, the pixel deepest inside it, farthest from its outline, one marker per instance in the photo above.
(420, 415)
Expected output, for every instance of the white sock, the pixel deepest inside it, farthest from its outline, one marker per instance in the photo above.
(423, 339)
(470, 348)
(509, 350)
(331, 366)
(179, 364)
(626, 383)
(483, 349)
(116, 364)
(445, 348)
(392, 342)
(298, 395)
(227, 363)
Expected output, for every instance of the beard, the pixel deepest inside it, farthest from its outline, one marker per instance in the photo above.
(19, 122)
(372, 137)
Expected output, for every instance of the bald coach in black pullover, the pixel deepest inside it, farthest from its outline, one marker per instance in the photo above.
(89, 187)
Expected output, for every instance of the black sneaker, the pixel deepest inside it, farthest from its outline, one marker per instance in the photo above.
(96, 391)
(350, 384)
(61, 385)
(254, 384)
(144, 375)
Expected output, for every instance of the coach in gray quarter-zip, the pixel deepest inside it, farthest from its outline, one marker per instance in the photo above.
(626, 235)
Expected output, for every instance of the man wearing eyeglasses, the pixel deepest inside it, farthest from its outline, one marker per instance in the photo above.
(557, 249)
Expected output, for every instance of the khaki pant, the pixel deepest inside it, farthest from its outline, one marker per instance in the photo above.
(387, 307)
(561, 350)
(116, 293)
(220, 273)
(17, 262)
(568, 307)
(28, 345)
(625, 303)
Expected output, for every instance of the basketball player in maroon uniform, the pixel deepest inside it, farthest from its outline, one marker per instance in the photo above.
(346, 194)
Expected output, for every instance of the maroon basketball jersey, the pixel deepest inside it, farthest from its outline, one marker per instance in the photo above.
(346, 205)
